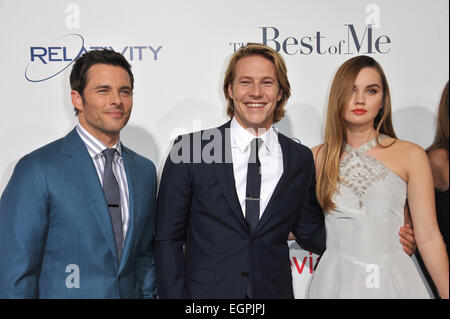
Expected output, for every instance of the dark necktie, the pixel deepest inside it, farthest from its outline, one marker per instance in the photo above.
(253, 190)
(112, 195)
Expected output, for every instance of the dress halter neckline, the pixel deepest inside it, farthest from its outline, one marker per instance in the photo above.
(359, 171)
(365, 147)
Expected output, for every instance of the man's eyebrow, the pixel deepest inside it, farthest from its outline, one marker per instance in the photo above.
(105, 86)
(250, 77)
(102, 86)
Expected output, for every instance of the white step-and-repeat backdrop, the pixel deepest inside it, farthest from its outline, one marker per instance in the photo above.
(179, 51)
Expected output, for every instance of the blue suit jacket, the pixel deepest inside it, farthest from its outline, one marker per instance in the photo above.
(56, 233)
(198, 208)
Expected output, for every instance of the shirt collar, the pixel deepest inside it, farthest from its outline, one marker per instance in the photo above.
(242, 138)
(93, 145)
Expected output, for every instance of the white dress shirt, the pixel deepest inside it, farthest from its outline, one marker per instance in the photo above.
(95, 149)
(270, 156)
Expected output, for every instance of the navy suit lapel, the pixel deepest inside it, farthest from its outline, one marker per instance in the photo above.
(282, 185)
(225, 175)
(132, 172)
(85, 174)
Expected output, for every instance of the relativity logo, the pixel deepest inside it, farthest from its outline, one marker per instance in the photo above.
(47, 61)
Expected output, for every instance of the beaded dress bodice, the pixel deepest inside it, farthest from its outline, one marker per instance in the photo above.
(360, 171)
(370, 203)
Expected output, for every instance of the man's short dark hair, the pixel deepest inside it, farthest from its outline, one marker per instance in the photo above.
(78, 76)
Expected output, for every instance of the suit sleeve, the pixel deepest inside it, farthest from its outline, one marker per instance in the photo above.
(23, 230)
(172, 215)
(146, 272)
(310, 228)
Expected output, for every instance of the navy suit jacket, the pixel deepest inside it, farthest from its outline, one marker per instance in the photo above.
(203, 247)
(56, 237)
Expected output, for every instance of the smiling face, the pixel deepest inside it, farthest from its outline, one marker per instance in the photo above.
(255, 92)
(105, 107)
(366, 99)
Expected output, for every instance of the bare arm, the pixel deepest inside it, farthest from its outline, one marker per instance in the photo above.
(423, 213)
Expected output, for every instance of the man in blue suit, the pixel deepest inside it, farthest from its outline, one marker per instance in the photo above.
(77, 216)
(230, 196)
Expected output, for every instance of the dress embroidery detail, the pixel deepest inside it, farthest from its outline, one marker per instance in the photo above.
(359, 171)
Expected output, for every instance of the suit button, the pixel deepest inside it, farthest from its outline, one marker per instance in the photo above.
(244, 274)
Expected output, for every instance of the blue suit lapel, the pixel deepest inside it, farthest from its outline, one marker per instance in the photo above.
(85, 174)
(132, 171)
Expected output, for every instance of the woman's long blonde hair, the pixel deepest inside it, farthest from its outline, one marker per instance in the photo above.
(335, 135)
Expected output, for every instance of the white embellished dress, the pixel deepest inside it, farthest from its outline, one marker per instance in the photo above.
(364, 258)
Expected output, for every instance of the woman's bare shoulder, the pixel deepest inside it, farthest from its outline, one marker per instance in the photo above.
(405, 148)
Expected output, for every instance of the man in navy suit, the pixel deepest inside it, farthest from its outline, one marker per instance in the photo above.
(77, 216)
(230, 196)
(206, 244)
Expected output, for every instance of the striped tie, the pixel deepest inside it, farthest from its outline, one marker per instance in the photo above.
(112, 195)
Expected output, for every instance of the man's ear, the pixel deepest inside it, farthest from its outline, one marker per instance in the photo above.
(230, 90)
(77, 100)
(280, 95)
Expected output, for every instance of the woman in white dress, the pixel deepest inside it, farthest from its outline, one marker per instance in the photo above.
(365, 177)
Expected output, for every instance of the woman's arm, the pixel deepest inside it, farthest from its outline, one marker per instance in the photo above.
(423, 213)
